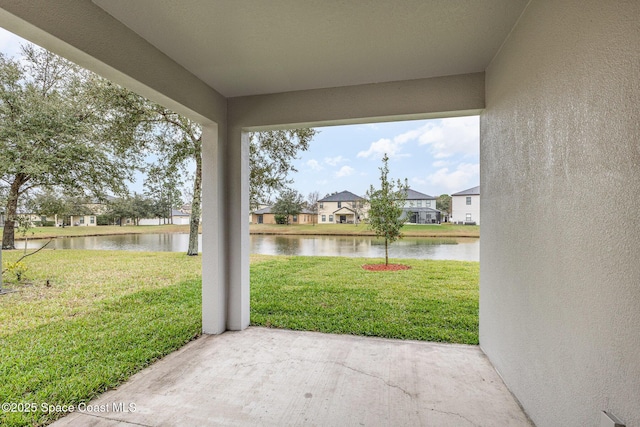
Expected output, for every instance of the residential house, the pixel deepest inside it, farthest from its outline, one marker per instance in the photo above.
(420, 208)
(465, 206)
(178, 217)
(266, 216)
(342, 208)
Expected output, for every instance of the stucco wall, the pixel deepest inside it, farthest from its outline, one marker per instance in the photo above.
(560, 287)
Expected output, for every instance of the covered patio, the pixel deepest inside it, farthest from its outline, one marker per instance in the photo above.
(275, 377)
(556, 86)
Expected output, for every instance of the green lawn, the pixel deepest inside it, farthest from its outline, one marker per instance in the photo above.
(105, 315)
(433, 301)
(435, 230)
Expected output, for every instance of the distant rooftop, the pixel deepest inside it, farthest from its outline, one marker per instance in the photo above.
(470, 192)
(416, 195)
(343, 196)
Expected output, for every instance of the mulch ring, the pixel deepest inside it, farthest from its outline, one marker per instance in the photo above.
(382, 267)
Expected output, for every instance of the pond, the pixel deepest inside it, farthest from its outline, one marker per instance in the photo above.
(463, 249)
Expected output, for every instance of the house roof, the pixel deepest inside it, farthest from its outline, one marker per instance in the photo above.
(469, 192)
(175, 212)
(416, 195)
(343, 196)
(344, 210)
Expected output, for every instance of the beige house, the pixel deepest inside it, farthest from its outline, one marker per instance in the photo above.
(342, 208)
(555, 83)
(266, 216)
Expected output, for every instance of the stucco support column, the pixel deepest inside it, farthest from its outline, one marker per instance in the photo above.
(214, 283)
(236, 209)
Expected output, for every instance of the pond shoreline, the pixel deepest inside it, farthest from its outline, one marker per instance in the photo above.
(255, 229)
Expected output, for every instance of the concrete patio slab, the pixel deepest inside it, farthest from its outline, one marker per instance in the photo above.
(270, 377)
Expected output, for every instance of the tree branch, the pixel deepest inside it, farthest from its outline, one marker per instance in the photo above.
(32, 253)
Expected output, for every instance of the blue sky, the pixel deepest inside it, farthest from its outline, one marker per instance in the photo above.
(439, 156)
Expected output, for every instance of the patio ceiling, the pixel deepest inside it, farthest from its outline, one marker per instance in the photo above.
(257, 47)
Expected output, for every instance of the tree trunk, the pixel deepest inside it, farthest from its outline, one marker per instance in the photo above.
(8, 234)
(196, 202)
(386, 251)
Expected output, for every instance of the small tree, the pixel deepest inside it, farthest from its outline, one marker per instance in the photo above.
(289, 203)
(385, 208)
(312, 205)
(443, 203)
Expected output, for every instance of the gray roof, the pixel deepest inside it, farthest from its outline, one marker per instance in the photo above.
(416, 195)
(470, 192)
(175, 212)
(343, 196)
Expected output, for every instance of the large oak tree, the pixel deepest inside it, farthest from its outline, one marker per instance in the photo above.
(52, 132)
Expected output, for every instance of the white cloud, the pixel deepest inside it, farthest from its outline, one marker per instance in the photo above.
(335, 161)
(314, 165)
(380, 147)
(466, 175)
(441, 164)
(419, 181)
(445, 138)
(345, 171)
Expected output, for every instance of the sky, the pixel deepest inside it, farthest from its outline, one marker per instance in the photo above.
(439, 156)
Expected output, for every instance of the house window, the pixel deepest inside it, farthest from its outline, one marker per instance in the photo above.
(468, 217)
(330, 218)
(419, 203)
(295, 218)
(324, 218)
(81, 220)
(339, 205)
(428, 203)
(321, 205)
(92, 219)
(411, 203)
(469, 200)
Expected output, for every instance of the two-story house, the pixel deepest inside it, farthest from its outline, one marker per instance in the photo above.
(342, 208)
(421, 208)
(465, 206)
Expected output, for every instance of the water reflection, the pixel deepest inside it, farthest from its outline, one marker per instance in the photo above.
(465, 249)
(419, 248)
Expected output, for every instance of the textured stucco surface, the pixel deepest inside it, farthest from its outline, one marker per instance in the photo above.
(560, 286)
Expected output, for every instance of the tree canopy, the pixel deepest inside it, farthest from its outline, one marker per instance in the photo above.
(289, 203)
(270, 157)
(385, 207)
(443, 203)
(52, 133)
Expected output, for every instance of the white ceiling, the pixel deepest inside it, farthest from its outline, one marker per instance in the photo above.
(248, 47)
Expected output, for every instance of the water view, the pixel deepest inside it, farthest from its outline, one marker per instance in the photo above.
(463, 249)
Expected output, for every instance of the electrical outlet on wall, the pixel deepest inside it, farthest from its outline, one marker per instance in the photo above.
(609, 420)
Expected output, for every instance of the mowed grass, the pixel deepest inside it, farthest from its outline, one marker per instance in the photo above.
(105, 315)
(433, 301)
